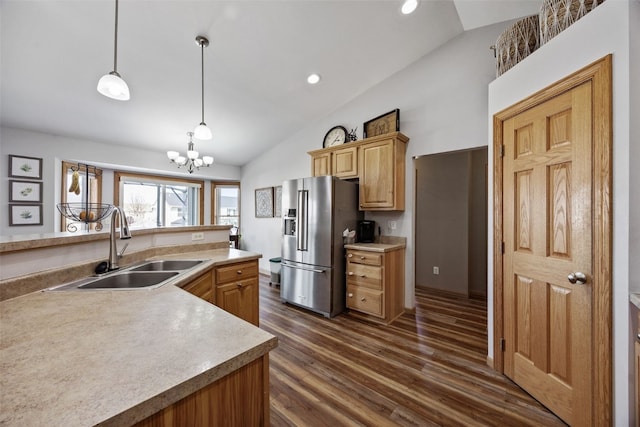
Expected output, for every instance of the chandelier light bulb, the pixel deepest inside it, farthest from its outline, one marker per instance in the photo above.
(181, 160)
(192, 154)
(208, 160)
(172, 155)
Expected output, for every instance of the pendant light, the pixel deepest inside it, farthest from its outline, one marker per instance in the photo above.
(112, 85)
(202, 131)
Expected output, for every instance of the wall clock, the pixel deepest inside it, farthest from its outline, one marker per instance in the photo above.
(337, 135)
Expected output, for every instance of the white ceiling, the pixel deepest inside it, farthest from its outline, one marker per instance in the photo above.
(53, 53)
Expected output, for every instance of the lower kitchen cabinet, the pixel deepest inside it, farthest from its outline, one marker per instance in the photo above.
(232, 287)
(202, 287)
(237, 290)
(236, 400)
(375, 283)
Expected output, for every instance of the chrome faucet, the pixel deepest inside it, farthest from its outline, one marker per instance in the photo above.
(125, 233)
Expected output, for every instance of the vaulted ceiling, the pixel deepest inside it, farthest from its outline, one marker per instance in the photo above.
(53, 53)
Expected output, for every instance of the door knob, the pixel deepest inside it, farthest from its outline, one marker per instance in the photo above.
(577, 277)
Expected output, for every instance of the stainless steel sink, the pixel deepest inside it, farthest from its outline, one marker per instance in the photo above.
(167, 265)
(130, 279)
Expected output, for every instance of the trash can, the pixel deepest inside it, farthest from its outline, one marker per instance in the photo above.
(275, 270)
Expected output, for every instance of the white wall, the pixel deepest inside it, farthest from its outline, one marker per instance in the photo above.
(53, 149)
(605, 30)
(435, 96)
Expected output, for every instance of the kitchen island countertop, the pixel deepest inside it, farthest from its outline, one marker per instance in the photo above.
(84, 358)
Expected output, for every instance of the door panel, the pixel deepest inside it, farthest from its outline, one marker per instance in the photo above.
(319, 220)
(547, 234)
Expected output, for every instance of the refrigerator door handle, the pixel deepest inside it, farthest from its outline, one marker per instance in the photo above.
(303, 202)
(315, 270)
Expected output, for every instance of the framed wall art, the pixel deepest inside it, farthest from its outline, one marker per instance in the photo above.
(25, 191)
(386, 123)
(264, 202)
(25, 214)
(25, 167)
(277, 207)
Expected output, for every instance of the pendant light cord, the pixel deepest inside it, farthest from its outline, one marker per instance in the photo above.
(115, 43)
(202, 74)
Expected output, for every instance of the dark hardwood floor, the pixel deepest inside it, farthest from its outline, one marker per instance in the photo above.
(427, 369)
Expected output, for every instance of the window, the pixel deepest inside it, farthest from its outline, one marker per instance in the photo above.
(94, 190)
(226, 203)
(155, 201)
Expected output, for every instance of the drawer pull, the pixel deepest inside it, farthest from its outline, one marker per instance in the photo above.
(350, 295)
(239, 285)
(351, 273)
(363, 257)
(239, 271)
(363, 276)
(363, 299)
(350, 255)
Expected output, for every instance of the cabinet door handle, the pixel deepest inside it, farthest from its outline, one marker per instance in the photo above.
(239, 285)
(239, 271)
(363, 257)
(363, 276)
(350, 295)
(351, 273)
(350, 255)
(363, 299)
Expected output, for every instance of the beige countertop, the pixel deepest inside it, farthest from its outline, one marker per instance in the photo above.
(375, 247)
(112, 358)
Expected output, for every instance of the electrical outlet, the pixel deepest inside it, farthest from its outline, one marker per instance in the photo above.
(197, 236)
(436, 270)
(392, 225)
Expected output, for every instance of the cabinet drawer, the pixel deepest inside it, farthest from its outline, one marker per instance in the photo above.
(362, 257)
(238, 271)
(364, 300)
(365, 275)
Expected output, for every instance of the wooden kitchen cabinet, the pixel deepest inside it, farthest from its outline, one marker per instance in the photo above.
(202, 287)
(375, 283)
(377, 162)
(236, 400)
(237, 290)
(340, 162)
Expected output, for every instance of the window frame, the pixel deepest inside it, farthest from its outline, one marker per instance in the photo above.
(120, 175)
(214, 199)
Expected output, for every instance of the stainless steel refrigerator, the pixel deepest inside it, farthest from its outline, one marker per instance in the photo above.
(315, 212)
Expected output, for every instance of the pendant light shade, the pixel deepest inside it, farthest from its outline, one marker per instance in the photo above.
(202, 131)
(112, 85)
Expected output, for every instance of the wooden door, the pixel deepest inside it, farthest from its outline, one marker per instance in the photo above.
(547, 236)
(321, 164)
(240, 299)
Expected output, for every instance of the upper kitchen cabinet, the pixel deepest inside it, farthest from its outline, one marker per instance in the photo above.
(377, 162)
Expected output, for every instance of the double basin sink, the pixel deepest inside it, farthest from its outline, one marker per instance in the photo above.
(149, 275)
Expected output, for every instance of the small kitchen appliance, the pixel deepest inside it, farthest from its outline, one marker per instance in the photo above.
(366, 232)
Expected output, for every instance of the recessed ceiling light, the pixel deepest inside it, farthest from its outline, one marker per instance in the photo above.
(313, 79)
(409, 6)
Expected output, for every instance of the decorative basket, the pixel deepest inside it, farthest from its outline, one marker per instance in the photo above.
(557, 15)
(85, 212)
(517, 42)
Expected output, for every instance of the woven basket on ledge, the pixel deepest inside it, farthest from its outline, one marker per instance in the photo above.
(557, 15)
(517, 42)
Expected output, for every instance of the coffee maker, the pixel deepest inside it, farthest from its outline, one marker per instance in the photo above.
(366, 232)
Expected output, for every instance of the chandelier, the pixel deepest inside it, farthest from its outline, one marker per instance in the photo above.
(192, 161)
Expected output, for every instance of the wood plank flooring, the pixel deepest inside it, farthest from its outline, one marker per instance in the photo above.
(427, 369)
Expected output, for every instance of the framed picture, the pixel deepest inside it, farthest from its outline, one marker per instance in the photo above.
(277, 208)
(25, 215)
(25, 191)
(264, 202)
(386, 123)
(25, 167)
